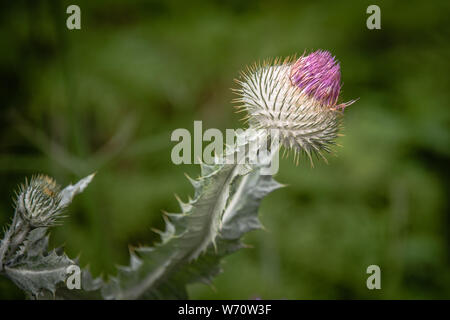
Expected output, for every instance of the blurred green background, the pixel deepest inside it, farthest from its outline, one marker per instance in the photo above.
(107, 97)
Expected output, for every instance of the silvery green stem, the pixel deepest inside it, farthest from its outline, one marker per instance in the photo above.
(21, 231)
(4, 245)
(8, 244)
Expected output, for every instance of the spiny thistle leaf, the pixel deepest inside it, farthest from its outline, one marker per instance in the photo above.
(209, 227)
(90, 289)
(186, 237)
(35, 274)
(69, 192)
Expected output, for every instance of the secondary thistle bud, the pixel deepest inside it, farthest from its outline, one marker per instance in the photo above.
(39, 201)
(298, 98)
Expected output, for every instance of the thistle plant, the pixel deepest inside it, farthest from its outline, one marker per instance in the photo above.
(296, 97)
(24, 255)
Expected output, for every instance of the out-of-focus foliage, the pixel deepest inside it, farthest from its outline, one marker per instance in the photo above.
(107, 97)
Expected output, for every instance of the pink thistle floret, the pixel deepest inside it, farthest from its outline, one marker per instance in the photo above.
(318, 75)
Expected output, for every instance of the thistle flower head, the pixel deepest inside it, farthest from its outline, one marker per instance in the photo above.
(296, 97)
(39, 201)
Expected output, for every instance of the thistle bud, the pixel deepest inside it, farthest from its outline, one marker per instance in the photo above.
(298, 98)
(39, 201)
